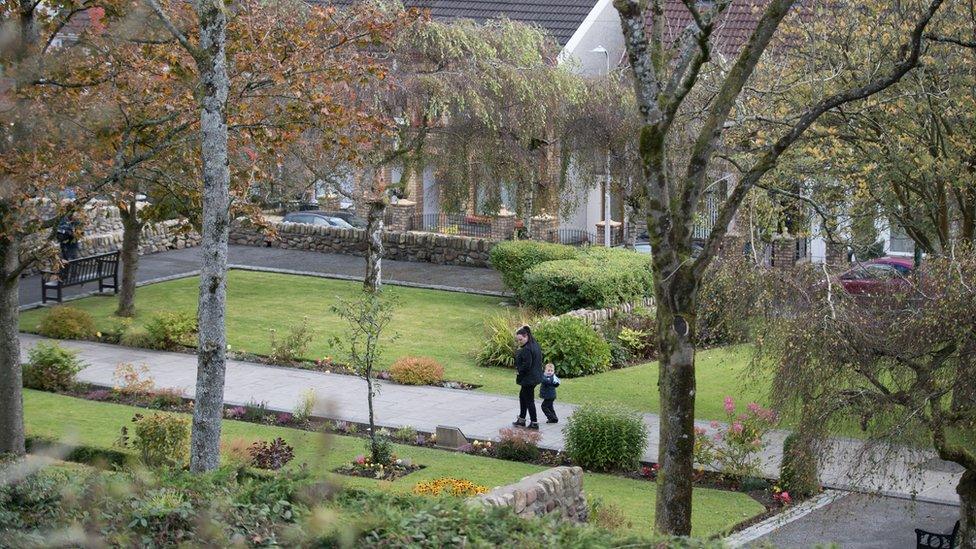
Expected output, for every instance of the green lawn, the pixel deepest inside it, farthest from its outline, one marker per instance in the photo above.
(98, 424)
(447, 326)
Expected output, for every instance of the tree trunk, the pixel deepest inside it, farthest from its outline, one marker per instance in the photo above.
(967, 510)
(676, 313)
(211, 354)
(372, 421)
(131, 235)
(11, 381)
(376, 208)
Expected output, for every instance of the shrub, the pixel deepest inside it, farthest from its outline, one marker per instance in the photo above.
(382, 452)
(607, 515)
(457, 487)
(798, 470)
(271, 455)
(303, 412)
(573, 347)
(171, 330)
(51, 367)
(136, 337)
(605, 438)
(295, 343)
(737, 446)
(133, 381)
(514, 258)
(405, 434)
(162, 439)
(598, 278)
(518, 444)
(417, 371)
(64, 322)
(166, 398)
(498, 349)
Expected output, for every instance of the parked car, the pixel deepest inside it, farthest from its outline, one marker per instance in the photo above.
(878, 276)
(322, 219)
(349, 218)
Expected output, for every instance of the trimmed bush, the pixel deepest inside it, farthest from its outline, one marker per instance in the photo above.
(513, 258)
(411, 370)
(798, 470)
(163, 440)
(598, 278)
(171, 330)
(51, 367)
(575, 348)
(605, 438)
(67, 323)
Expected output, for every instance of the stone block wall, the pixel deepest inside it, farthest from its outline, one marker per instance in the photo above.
(158, 237)
(597, 317)
(402, 246)
(558, 490)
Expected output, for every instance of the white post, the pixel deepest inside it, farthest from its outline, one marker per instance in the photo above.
(606, 168)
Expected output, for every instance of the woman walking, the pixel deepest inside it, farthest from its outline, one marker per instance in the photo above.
(528, 367)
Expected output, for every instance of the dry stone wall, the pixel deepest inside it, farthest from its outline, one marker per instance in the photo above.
(402, 246)
(558, 490)
(158, 237)
(597, 317)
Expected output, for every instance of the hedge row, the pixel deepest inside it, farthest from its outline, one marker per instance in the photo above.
(512, 259)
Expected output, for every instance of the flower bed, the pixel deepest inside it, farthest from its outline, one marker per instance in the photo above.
(363, 467)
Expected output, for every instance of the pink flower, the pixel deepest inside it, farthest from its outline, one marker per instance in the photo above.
(714, 424)
(360, 459)
(699, 431)
(754, 407)
(729, 405)
(737, 428)
(785, 498)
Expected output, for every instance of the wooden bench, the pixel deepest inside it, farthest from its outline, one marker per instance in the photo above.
(95, 268)
(928, 540)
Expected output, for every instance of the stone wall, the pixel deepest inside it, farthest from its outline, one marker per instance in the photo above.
(596, 317)
(402, 246)
(558, 490)
(158, 237)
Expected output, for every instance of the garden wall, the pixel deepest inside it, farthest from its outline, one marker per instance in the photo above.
(158, 237)
(403, 246)
(596, 317)
(557, 490)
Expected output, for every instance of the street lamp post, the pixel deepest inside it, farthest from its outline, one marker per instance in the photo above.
(606, 167)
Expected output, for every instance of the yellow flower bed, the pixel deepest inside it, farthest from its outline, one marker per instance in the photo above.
(447, 485)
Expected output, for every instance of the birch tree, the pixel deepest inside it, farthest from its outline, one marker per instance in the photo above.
(663, 79)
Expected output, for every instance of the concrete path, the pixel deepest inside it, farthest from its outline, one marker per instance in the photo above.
(187, 261)
(863, 521)
(851, 464)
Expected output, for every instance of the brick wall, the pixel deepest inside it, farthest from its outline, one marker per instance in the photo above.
(558, 490)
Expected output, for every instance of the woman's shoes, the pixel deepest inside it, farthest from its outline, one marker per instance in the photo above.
(553, 420)
(533, 425)
(519, 422)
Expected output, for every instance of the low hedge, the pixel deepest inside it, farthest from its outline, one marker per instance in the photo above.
(513, 258)
(597, 278)
(573, 347)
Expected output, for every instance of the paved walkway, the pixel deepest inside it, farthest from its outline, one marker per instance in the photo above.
(479, 415)
(186, 262)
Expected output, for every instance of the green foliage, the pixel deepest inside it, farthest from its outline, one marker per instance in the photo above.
(736, 448)
(518, 444)
(498, 349)
(305, 407)
(163, 440)
(51, 367)
(573, 347)
(411, 370)
(514, 258)
(405, 434)
(607, 515)
(294, 345)
(597, 278)
(727, 301)
(605, 438)
(64, 322)
(381, 450)
(798, 470)
(166, 398)
(171, 330)
(135, 336)
(36, 499)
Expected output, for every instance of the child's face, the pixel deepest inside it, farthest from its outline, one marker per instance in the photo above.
(550, 369)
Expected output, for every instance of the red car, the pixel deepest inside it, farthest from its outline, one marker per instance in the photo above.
(878, 276)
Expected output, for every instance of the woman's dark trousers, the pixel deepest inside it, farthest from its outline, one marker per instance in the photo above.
(527, 402)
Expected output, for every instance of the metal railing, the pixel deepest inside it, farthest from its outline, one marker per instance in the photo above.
(452, 224)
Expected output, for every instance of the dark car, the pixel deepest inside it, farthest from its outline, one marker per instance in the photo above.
(349, 218)
(880, 276)
(322, 219)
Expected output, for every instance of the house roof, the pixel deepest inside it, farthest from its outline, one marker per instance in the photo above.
(560, 18)
(731, 31)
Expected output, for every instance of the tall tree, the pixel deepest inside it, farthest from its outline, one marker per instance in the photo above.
(663, 78)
